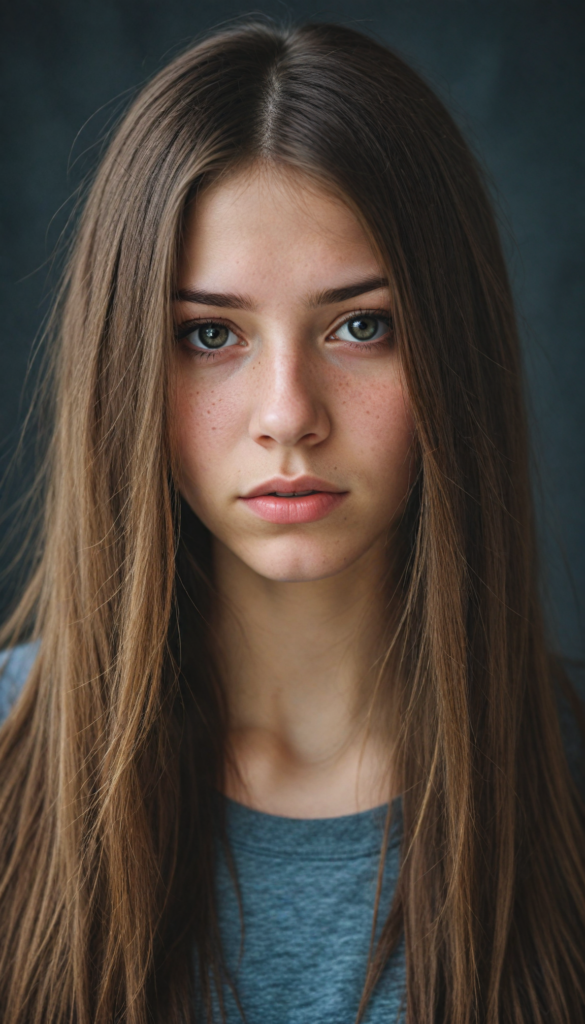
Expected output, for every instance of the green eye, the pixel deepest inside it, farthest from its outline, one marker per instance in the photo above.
(212, 336)
(363, 328)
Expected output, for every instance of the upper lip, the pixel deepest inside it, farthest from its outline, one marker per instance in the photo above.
(292, 484)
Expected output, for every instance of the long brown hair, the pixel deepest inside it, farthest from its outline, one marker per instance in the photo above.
(110, 757)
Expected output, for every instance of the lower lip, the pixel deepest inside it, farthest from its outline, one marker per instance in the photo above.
(305, 509)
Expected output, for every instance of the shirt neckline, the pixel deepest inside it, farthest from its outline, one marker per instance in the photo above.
(344, 837)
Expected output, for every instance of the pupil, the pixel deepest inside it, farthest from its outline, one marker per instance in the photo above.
(213, 335)
(363, 328)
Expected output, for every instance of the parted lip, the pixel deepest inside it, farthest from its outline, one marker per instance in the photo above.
(290, 484)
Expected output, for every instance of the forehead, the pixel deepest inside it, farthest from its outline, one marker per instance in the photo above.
(265, 226)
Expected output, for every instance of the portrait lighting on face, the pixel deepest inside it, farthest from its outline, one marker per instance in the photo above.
(290, 417)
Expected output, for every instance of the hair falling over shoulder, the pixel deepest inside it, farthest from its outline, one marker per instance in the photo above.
(109, 759)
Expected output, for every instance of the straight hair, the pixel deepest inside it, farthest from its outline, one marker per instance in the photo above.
(111, 756)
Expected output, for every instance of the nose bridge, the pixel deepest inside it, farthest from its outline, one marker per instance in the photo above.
(288, 408)
(287, 372)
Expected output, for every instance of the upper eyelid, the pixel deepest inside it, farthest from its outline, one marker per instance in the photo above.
(382, 314)
(186, 326)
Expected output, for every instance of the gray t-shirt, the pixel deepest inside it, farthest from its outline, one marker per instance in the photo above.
(308, 891)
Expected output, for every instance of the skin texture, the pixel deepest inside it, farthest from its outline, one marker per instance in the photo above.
(303, 605)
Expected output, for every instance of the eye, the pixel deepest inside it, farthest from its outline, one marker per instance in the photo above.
(211, 336)
(365, 327)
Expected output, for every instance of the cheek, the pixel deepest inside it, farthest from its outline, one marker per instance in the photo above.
(205, 425)
(376, 420)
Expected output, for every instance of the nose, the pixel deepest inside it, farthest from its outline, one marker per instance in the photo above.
(288, 409)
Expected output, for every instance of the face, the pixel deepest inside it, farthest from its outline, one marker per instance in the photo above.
(290, 420)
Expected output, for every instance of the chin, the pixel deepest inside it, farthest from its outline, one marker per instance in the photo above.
(303, 564)
(296, 574)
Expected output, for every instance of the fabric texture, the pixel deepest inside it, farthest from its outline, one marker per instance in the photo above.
(308, 890)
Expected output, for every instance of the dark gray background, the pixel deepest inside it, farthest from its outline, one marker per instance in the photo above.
(512, 72)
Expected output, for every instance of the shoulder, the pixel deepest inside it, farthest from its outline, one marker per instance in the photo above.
(15, 666)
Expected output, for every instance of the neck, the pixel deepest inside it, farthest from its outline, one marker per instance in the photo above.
(300, 663)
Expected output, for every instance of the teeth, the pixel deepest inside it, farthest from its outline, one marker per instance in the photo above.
(292, 494)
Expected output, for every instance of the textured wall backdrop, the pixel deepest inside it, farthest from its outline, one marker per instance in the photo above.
(511, 71)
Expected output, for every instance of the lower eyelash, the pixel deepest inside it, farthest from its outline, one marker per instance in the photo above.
(200, 353)
(366, 344)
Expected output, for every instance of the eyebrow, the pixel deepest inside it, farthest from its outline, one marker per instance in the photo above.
(349, 291)
(228, 300)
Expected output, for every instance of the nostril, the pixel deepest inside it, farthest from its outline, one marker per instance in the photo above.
(309, 438)
(288, 416)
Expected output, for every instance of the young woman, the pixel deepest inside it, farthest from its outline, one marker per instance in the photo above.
(289, 748)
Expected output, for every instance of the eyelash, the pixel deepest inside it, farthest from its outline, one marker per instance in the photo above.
(185, 329)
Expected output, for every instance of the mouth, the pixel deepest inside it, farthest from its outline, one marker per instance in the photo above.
(289, 502)
(292, 494)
